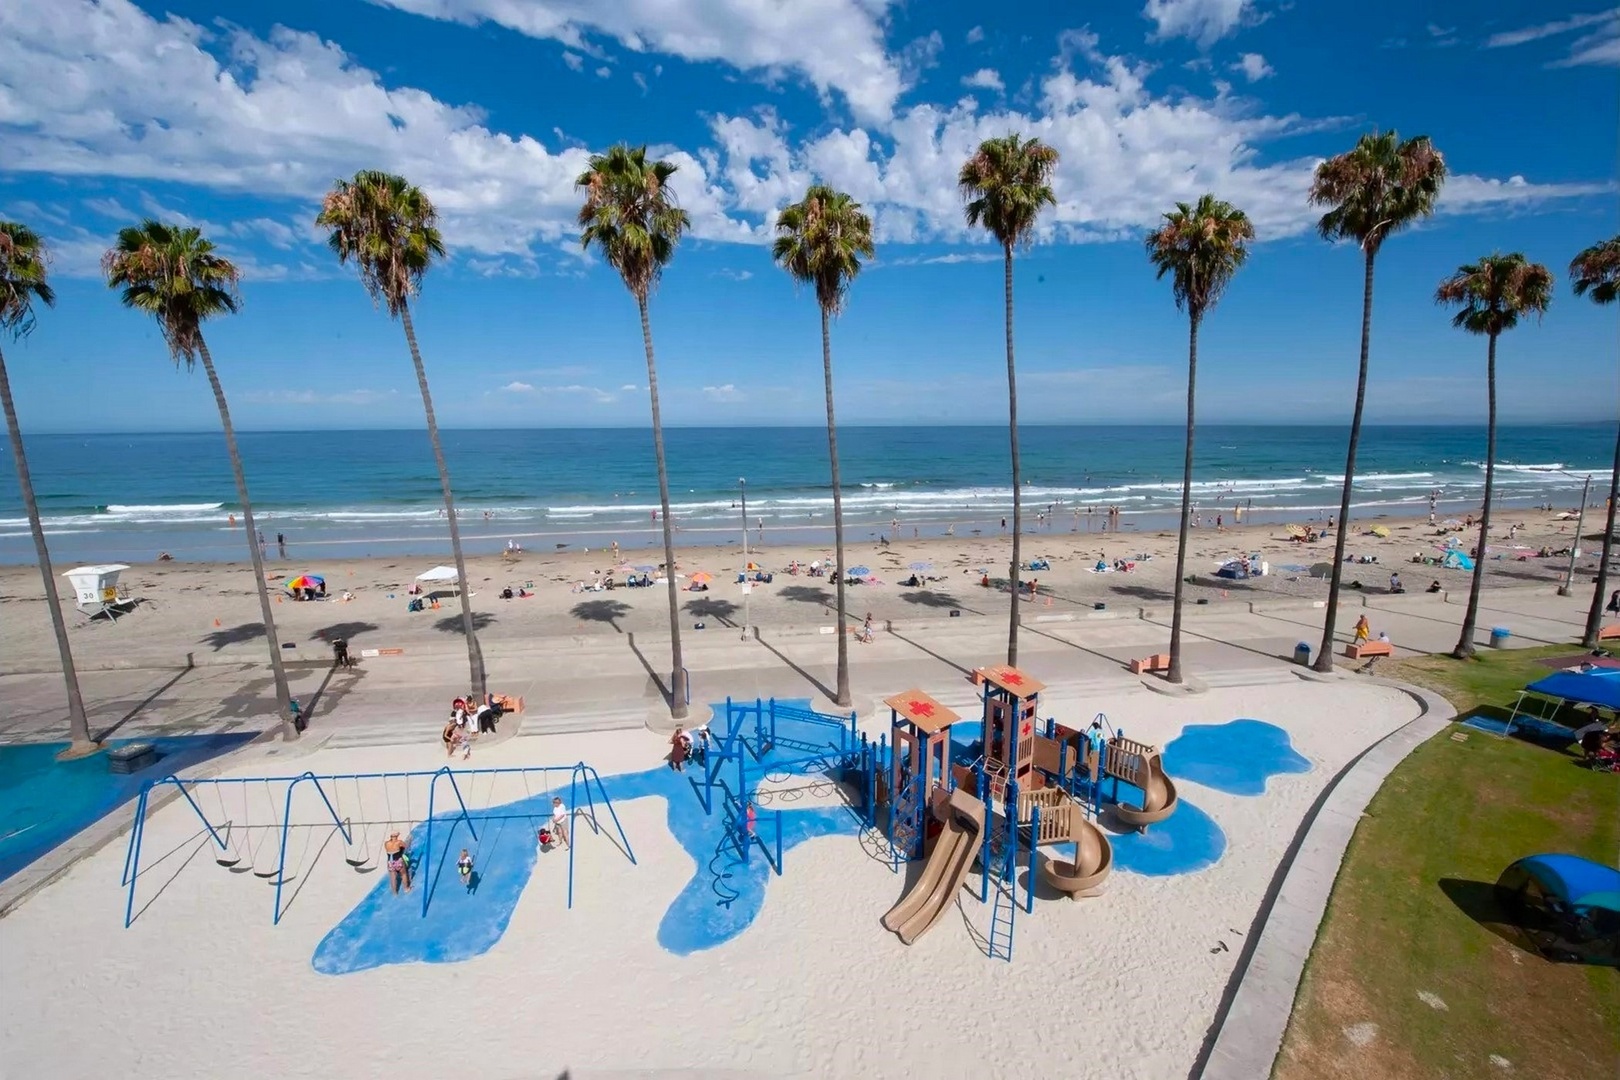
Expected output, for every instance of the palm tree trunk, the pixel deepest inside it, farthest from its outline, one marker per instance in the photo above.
(475, 654)
(278, 671)
(1465, 640)
(1017, 468)
(78, 721)
(1324, 659)
(1594, 615)
(677, 676)
(1174, 674)
(842, 699)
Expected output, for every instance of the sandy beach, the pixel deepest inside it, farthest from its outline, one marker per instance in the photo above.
(209, 609)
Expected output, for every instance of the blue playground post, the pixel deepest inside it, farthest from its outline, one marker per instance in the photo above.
(1034, 843)
(286, 822)
(433, 785)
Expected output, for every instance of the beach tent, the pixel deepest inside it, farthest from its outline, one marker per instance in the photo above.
(1569, 907)
(445, 576)
(1599, 687)
(1456, 560)
(96, 590)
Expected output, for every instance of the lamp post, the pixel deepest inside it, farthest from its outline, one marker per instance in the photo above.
(1575, 545)
(748, 586)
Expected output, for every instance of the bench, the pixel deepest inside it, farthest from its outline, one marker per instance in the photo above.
(1156, 662)
(1369, 648)
(1609, 633)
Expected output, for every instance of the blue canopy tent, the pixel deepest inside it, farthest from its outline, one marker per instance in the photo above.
(1568, 906)
(1599, 687)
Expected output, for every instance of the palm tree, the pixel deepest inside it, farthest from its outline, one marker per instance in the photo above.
(1376, 189)
(22, 282)
(1201, 247)
(172, 273)
(1490, 296)
(821, 240)
(389, 229)
(1005, 184)
(1596, 271)
(631, 217)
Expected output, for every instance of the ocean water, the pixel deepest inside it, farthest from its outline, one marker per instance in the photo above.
(354, 493)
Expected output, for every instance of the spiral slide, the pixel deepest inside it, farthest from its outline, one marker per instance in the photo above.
(1093, 859)
(943, 874)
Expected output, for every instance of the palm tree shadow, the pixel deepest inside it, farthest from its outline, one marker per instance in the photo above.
(602, 611)
(805, 675)
(107, 732)
(345, 631)
(1142, 592)
(663, 687)
(234, 635)
(721, 611)
(807, 594)
(451, 624)
(932, 599)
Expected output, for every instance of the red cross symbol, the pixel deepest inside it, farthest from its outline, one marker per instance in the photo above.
(1012, 678)
(921, 708)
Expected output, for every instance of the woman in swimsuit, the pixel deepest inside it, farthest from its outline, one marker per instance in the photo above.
(399, 862)
(449, 736)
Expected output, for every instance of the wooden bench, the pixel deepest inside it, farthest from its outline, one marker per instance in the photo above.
(1369, 648)
(1156, 662)
(1609, 633)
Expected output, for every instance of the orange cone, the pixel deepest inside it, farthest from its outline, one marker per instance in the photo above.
(216, 622)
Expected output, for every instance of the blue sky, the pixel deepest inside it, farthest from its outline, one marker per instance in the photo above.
(237, 117)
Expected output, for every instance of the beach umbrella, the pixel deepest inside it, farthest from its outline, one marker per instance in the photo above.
(701, 578)
(1380, 531)
(1322, 569)
(1294, 530)
(306, 581)
(859, 571)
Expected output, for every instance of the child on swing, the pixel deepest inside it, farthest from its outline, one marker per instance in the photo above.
(464, 867)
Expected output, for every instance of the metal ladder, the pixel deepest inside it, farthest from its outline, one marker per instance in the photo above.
(905, 821)
(1004, 908)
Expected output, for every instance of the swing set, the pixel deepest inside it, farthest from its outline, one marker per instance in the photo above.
(240, 851)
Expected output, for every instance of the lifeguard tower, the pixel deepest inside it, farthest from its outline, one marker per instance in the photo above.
(97, 592)
(920, 734)
(1011, 701)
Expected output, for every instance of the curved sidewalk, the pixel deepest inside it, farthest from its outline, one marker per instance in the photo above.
(1248, 1031)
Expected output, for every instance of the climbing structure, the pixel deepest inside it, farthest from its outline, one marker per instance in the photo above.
(920, 755)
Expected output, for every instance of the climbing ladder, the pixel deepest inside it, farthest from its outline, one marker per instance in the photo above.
(1004, 909)
(905, 822)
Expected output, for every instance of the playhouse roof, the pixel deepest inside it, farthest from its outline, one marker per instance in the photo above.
(1012, 680)
(922, 710)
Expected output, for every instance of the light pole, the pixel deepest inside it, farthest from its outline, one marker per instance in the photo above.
(1575, 546)
(748, 586)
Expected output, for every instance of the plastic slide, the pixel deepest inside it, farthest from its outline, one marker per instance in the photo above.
(1159, 799)
(943, 874)
(1093, 859)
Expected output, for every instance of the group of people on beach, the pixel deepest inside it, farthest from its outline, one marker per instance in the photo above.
(400, 861)
(468, 720)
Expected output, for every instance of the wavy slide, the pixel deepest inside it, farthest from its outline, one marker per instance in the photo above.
(1159, 799)
(942, 876)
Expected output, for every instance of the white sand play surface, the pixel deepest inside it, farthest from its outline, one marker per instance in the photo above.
(1123, 985)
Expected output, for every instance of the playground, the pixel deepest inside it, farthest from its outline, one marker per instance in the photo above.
(900, 872)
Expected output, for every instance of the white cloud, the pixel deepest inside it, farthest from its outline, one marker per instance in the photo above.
(596, 394)
(728, 392)
(984, 79)
(515, 387)
(1600, 47)
(950, 258)
(975, 35)
(835, 44)
(1203, 21)
(574, 61)
(106, 90)
(629, 387)
(1549, 29)
(603, 72)
(110, 208)
(1254, 67)
(734, 275)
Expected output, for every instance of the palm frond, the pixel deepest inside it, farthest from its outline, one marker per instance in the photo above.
(174, 274)
(23, 258)
(1006, 184)
(1492, 295)
(1378, 188)
(1597, 271)
(821, 241)
(1201, 246)
(389, 228)
(630, 214)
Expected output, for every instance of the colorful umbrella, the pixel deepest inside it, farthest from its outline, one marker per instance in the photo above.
(701, 578)
(306, 581)
(1380, 531)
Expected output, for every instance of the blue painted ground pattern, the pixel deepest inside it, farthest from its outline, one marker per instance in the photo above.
(727, 892)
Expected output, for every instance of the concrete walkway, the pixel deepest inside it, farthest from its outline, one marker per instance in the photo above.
(1248, 1030)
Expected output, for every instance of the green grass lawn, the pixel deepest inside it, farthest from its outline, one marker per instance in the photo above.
(1403, 981)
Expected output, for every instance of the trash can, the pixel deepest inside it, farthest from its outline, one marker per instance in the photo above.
(1302, 654)
(1499, 636)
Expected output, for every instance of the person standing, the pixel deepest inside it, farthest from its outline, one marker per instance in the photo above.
(398, 857)
(281, 544)
(559, 820)
(678, 750)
